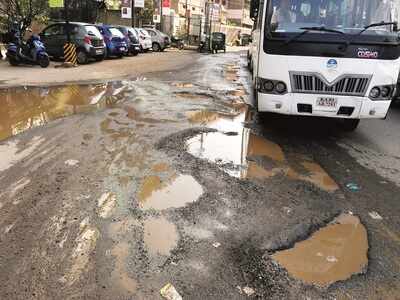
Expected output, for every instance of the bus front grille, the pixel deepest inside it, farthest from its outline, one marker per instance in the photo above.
(314, 83)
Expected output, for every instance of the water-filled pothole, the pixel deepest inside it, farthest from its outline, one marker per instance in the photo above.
(22, 109)
(333, 253)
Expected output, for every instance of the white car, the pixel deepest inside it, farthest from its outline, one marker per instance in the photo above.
(144, 39)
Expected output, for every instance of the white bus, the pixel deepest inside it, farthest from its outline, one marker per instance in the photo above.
(326, 58)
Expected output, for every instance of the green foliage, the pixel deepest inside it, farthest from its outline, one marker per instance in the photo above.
(24, 12)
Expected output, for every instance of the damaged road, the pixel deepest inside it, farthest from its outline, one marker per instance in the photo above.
(114, 190)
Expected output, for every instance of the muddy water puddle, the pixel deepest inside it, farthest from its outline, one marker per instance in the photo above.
(333, 253)
(242, 154)
(160, 236)
(174, 192)
(23, 109)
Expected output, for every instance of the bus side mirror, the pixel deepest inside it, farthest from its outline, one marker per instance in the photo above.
(254, 5)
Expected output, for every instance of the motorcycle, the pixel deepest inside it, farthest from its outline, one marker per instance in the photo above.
(177, 43)
(32, 52)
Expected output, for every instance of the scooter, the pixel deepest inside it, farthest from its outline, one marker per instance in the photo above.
(33, 52)
(177, 43)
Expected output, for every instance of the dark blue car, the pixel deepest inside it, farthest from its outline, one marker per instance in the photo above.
(115, 41)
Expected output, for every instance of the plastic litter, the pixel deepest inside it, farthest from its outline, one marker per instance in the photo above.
(374, 215)
(72, 162)
(216, 245)
(249, 291)
(170, 293)
(353, 187)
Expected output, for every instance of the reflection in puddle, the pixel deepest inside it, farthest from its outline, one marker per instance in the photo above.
(231, 152)
(175, 192)
(23, 109)
(333, 253)
(160, 236)
(316, 175)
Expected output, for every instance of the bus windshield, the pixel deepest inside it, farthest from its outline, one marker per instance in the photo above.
(348, 16)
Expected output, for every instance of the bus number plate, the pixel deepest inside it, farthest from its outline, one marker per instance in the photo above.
(327, 102)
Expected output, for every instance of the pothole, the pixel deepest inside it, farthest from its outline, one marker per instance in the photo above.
(24, 109)
(175, 192)
(160, 236)
(334, 253)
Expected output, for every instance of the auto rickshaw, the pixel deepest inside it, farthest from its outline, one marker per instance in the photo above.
(218, 42)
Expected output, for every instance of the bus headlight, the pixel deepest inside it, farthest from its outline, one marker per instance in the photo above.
(382, 92)
(269, 86)
(374, 93)
(280, 87)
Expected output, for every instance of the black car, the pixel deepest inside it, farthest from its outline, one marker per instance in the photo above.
(86, 37)
(218, 42)
(131, 38)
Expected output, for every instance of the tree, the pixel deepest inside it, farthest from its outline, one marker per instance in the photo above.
(23, 11)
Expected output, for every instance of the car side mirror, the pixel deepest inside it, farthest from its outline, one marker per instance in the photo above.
(254, 5)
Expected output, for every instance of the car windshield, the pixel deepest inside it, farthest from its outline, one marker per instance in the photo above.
(144, 32)
(349, 16)
(133, 32)
(92, 30)
(116, 32)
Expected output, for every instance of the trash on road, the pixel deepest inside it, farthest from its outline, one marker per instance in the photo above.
(72, 162)
(170, 293)
(374, 215)
(353, 187)
(246, 290)
(216, 245)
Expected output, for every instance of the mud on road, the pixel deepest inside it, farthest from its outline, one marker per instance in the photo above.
(111, 191)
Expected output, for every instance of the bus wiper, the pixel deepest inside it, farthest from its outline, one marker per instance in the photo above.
(376, 25)
(308, 29)
(350, 41)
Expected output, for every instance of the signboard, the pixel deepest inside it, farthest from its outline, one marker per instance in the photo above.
(126, 13)
(166, 3)
(56, 3)
(139, 3)
(156, 19)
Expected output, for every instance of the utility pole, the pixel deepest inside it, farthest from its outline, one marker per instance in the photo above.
(187, 21)
(133, 13)
(161, 16)
(66, 4)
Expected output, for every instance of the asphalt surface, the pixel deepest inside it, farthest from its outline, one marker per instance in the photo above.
(173, 179)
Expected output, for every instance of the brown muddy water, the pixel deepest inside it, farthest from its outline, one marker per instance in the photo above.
(175, 191)
(235, 149)
(334, 253)
(23, 109)
(160, 236)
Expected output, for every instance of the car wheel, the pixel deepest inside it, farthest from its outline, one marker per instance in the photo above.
(82, 57)
(181, 46)
(135, 53)
(156, 47)
(349, 124)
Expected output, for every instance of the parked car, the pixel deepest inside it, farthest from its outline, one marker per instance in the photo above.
(86, 37)
(131, 38)
(218, 42)
(159, 40)
(144, 39)
(114, 40)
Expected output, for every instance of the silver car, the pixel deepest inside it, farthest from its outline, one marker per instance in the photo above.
(159, 40)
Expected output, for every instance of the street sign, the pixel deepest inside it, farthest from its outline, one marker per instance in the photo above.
(126, 13)
(156, 19)
(139, 3)
(56, 3)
